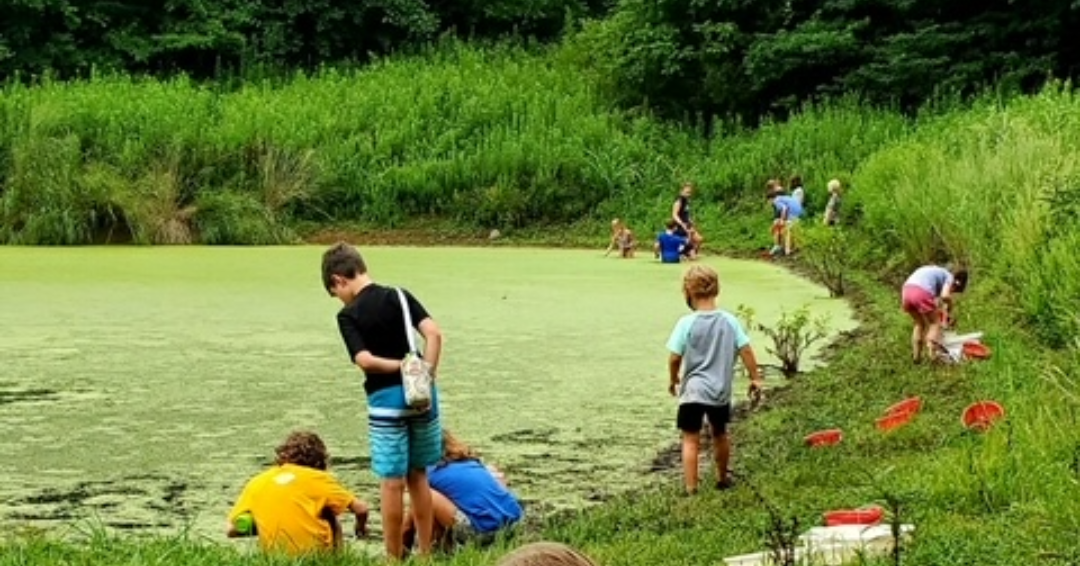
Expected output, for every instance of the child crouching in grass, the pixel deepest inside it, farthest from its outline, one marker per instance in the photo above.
(295, 504)
(704, 345)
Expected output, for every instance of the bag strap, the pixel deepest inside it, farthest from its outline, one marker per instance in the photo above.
(408, 321)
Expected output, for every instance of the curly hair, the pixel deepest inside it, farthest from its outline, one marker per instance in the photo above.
(303, 449)
(701, 282)
(546, 554)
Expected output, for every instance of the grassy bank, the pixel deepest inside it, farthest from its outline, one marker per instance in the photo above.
(519, 142)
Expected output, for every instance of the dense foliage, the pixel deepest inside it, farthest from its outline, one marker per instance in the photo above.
(207, 37)
(734, 58)
(685, 59)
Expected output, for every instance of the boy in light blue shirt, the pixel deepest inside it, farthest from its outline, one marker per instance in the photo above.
(704, 345)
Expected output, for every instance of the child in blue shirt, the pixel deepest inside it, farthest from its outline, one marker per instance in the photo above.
(470, 499)
(669, 246)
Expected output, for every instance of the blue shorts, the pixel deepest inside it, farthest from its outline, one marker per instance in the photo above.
(401, 438)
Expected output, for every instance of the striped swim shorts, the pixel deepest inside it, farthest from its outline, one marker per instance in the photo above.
(401, 438)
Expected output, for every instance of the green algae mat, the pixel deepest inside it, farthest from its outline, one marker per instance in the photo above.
(140, 387)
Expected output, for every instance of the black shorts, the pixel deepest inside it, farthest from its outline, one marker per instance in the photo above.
(691, 414)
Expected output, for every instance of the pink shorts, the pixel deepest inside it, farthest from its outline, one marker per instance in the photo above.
(916, 300)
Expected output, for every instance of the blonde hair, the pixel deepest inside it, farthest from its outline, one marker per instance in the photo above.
(701, 282)
(834, 185)
(546, 554)
(454, 450)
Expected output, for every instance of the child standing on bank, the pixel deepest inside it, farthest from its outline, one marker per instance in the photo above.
(832, 210)
(404, 441)
(704, 345)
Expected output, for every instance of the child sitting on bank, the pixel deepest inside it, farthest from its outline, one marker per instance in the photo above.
(622, 239)
(670, 247)
(294, 505)
(470, 499)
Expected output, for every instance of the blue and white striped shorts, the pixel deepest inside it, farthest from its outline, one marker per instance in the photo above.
(402, 438)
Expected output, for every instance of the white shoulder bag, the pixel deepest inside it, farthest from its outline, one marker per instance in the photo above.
(415, 375)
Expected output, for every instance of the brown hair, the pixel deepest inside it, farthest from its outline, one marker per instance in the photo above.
(960, 279)
(701, 282)
(455, 450)
(545, 554)
(342, 260)
(303, 449)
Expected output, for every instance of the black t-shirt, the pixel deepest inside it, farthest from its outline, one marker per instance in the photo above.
(373, 321)
(684, 210)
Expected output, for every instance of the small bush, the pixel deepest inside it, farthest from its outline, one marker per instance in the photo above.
(827, 251)
(792, 335)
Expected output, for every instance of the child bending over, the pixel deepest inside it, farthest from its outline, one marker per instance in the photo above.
(622, 239)
(926, 295)
(470, 499)
(704, 344)
(295, 504)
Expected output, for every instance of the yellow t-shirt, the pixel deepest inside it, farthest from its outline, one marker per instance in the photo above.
(286, 501)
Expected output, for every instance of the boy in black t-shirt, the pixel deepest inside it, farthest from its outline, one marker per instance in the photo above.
(404, 441)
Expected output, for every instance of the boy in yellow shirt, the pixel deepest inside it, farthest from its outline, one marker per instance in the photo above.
(295, 504)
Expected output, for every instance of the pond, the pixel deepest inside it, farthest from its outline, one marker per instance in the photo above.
(140, 387)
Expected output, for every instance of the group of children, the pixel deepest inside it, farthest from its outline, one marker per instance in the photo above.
(788, 209)
(681, 239)
(293, 506)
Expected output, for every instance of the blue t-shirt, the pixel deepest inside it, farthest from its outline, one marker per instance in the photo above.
(472, 488)
(670, 247)
(793, 206)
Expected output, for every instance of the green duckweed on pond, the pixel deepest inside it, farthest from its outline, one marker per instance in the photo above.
(142, 386)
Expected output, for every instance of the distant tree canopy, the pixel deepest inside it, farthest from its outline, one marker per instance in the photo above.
(204, 37)
(748, 58)
(683, 59)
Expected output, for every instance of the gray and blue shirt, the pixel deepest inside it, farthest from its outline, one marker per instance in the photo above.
(708, 342)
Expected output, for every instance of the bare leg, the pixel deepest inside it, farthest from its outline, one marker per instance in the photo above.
(420, 493)
(690, 460)
(722, 455)
(918, 337)
(932, 322)
(408, 530)
(393, 494)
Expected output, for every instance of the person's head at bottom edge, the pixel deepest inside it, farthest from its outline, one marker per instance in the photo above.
(546, 554)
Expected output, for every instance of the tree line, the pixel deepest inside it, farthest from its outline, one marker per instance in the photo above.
(684, 59)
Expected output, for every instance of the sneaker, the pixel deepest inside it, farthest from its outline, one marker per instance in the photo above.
(725, 484)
